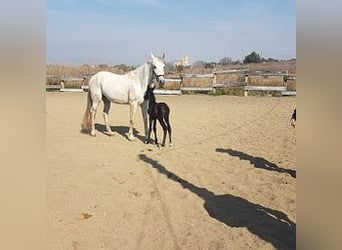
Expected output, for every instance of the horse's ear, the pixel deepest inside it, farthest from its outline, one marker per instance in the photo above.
(152, 56)
(163, 57)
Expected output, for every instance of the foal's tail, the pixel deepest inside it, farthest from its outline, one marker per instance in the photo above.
(86, 125)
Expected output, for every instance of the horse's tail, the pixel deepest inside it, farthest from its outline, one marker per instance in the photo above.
(86, 125)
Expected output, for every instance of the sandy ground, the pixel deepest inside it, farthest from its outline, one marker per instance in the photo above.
(228, 181)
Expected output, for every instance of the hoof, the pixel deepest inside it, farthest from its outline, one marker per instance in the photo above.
(131, 137)
(92, 133)
(109, 133)
(170, 145)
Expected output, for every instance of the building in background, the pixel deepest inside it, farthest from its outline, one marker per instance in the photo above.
(184, 62)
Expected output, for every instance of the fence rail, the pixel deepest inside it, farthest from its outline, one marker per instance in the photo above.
(209, 82)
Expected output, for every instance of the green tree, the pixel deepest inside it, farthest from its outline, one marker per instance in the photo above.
(252, 58)
(209, 65)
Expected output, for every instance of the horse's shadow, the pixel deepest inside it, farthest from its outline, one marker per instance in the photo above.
(121, 130)
(270, 225)
(258, 162)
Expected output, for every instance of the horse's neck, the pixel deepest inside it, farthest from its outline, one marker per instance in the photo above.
(143, 74)
(152, 99)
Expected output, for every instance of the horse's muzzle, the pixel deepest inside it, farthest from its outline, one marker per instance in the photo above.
(161, 81)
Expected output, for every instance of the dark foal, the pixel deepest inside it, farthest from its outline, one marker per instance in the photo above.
(160, 111)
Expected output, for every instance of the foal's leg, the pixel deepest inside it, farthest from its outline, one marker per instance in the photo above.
(133, 109)
(155, 131)
(168, 128)
(163, 124)
(106, 108)
(147, 141)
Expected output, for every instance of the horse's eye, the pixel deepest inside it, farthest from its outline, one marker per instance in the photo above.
(154, 67)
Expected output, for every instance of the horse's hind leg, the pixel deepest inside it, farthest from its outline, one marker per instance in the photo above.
(93, 109)
(106, 108)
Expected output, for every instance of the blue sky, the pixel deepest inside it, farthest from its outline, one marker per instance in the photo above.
(126, 31)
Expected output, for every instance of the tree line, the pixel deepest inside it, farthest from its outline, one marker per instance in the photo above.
(253, 57)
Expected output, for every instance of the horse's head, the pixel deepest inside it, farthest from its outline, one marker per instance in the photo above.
(158, 66)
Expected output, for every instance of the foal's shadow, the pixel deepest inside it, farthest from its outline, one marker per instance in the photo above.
(121, 130)
(270, 225)
(258, 162)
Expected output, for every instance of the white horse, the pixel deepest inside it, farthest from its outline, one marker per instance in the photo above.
(123, 89)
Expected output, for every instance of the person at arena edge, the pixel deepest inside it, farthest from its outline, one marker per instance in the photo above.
(292, 122)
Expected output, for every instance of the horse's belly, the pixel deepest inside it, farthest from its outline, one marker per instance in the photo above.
(116, 92)
(117, 97)
(116, 88)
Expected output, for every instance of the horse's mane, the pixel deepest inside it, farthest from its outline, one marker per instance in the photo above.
(142, 69)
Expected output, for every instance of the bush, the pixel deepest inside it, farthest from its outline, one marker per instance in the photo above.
(252, 58)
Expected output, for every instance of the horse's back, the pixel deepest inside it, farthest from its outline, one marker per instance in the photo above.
(107, 78)
(113, 86)
(163, 109)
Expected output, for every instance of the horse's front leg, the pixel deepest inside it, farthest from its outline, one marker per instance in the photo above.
(133, 109)
(144, 108)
